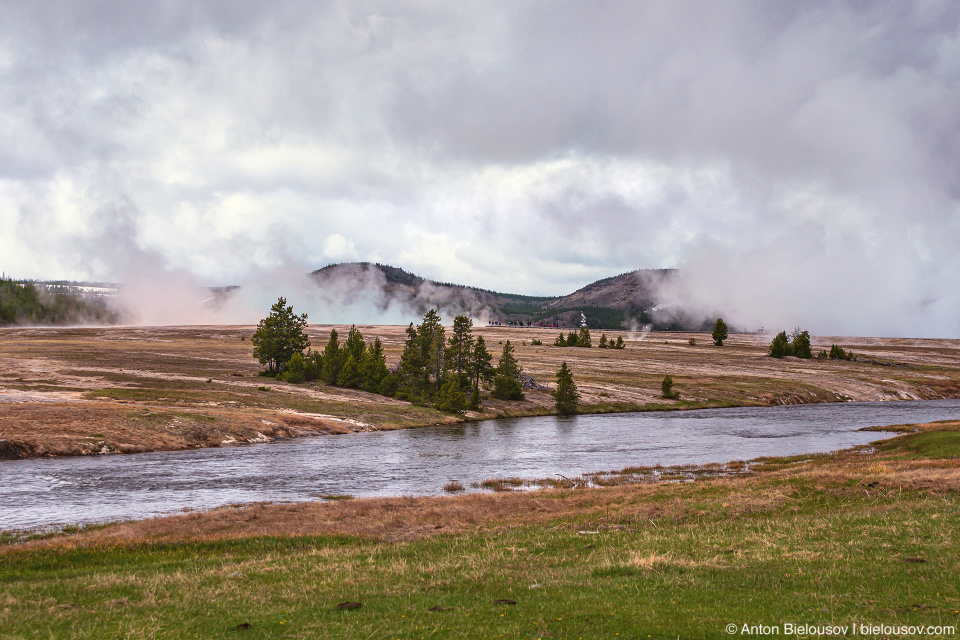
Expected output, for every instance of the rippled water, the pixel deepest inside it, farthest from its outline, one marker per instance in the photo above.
(420, 461)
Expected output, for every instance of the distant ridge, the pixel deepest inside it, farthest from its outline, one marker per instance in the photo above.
(618, 302)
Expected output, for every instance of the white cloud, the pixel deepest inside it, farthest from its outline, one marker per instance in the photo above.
(511, 145)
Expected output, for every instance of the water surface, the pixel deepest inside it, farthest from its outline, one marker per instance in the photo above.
(47, 491)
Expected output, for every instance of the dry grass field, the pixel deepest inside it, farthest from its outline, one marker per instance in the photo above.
(124, 390)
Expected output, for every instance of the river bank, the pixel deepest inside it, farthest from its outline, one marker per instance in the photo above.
(92, 391)
(861, 536)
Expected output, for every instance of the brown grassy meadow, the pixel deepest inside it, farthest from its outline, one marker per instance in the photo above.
(125, 390)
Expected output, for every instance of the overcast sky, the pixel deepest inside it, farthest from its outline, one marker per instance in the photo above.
(799, 161)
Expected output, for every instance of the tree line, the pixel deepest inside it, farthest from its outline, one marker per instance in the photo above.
(582, 338)
(23, 303)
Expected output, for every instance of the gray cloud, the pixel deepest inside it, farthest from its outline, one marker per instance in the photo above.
(797, 161)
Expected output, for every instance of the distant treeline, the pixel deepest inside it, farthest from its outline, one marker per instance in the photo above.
(22, 303)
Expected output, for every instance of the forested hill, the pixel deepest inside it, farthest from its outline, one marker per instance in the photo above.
(612, 303)
(24, 303)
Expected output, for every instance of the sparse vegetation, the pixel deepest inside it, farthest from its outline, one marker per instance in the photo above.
(667, 390)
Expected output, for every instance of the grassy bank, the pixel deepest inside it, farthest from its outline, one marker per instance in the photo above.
(861, 536)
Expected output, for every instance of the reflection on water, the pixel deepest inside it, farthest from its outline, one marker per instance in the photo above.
(420, 461)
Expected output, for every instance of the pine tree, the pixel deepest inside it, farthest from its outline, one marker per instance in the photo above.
(349, 375)
(572, 339)
(583, 338)
(279, 336)
(431, 333)
(374, 368)
(603, 341)
(560, 341)
(801, 345)
(780, 347)
(450, 398)
(719, 332)
(566, 394)
(355, 346)
(481, 368)
(413, 366)
(458, 352)
(506, 384)
(332, 359)
(619, 344)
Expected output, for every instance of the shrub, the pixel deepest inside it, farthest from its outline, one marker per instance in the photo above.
(388, 386)
(453, 487)
(450, 398)
(666, 389)
(535, 342)
(692, 342)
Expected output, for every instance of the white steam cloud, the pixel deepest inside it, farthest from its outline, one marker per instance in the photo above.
(799, 163)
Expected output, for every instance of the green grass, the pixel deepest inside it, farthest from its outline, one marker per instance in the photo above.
(928, 444)
(815, 557)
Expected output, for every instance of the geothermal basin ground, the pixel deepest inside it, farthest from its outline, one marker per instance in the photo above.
(88, 391)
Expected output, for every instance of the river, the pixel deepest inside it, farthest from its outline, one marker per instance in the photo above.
(48, 491)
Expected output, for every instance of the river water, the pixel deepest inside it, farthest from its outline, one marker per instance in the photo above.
(48, 491)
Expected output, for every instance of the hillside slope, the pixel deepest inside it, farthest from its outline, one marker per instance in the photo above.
(610, 303)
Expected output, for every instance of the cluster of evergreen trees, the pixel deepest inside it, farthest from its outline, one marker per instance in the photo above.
(799, 347)
(836, 353)
(23, 303)
(434, 369)
(443, 371)
(582, 339)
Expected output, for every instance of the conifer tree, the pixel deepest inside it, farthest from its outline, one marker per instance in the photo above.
(779, 347)
(450, 398)
(566, 395)
(332, 359)
(801, 345)
(506, 384)
(374, 368)
(619, 344)
(458, 352)
(572, 339)
(560, 341)
(583, 338)
(349, 375)
(279, 336)
(354, 345)
(413, 365)
(603, 341)
(481, 367)
(719, 332)
(431, 333)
